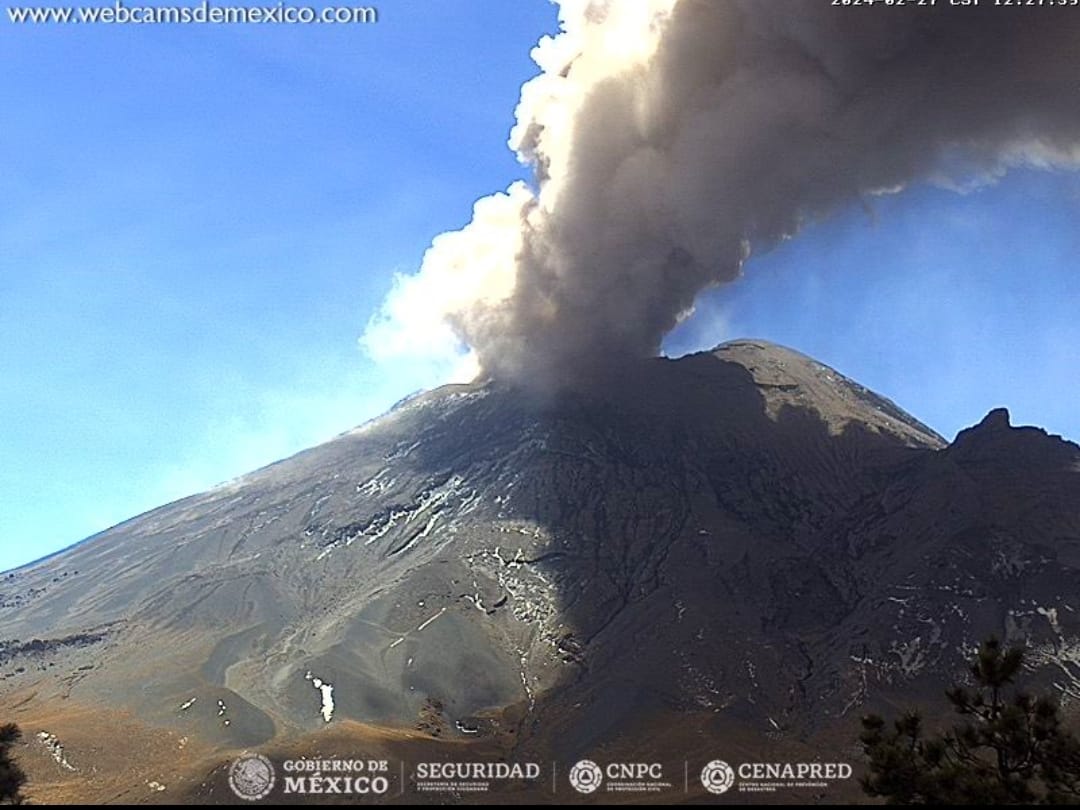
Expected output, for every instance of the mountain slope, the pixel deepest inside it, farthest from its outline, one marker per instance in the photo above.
(744, 534)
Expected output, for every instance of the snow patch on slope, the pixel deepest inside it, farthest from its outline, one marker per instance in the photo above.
(326, 691)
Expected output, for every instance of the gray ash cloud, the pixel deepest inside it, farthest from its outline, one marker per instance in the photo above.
(673, 139)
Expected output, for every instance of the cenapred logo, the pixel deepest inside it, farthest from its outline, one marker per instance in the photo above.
(252, 777)
(586, 776)
(717, 777)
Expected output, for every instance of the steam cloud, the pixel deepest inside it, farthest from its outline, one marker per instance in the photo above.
(670, 139)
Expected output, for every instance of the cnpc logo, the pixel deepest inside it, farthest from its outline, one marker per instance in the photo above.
(587, 777)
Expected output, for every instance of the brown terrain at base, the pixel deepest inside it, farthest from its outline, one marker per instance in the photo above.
(731, 555)
(138, 764)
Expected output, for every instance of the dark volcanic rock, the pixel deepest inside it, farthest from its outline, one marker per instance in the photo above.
(745, 532)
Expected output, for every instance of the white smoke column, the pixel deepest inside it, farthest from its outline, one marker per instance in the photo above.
(672, 138)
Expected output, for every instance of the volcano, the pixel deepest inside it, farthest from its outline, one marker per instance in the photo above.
(740, 550)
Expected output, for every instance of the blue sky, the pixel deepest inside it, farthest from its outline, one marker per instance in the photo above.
(199, 222)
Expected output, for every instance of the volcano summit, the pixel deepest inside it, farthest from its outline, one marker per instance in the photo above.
(739, 547)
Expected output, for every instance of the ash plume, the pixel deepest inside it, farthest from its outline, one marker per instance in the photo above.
(672, 139)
